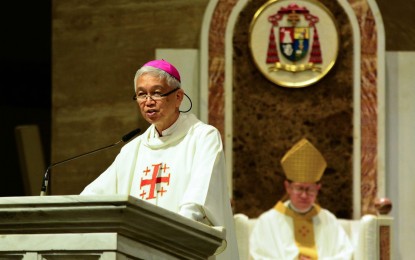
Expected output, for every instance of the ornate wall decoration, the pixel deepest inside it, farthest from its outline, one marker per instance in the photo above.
(294, 44)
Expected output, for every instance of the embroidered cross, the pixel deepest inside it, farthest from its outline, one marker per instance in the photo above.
(304, 231)
(161, 191)
(146, 171)
(153, 181)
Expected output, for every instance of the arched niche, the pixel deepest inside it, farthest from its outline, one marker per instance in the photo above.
(258, 124)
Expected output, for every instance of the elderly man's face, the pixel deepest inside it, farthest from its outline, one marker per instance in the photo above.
(162, 112)
(302, 195)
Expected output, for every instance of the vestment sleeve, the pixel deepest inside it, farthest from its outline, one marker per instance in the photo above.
(116, 178)
(104, 184)
(207, 186)
(334, 241)
(340, 244)
(262, 244)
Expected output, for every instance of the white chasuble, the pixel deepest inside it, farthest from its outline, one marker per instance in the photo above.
(277, 236)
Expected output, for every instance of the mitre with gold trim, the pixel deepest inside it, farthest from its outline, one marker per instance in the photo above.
(303, 163)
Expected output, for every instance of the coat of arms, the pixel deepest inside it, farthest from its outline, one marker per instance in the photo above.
(291, 54)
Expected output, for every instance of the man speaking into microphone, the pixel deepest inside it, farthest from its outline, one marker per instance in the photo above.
(177, 163)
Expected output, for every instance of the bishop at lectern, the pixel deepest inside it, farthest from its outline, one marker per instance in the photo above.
(177, 163)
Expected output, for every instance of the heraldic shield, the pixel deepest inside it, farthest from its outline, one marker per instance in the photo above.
(294, 42)
(285, 42)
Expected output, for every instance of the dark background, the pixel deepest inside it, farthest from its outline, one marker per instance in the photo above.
(25, 51)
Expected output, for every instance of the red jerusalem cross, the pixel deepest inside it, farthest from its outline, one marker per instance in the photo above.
(154, 180)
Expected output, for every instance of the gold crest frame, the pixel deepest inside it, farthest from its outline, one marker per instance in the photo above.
(287, 73)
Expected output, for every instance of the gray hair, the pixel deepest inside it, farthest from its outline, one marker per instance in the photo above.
(158, 73)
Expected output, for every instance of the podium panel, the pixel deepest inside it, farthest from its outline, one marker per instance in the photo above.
(100, 227)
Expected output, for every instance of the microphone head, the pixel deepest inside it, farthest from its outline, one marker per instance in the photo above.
(130, 135)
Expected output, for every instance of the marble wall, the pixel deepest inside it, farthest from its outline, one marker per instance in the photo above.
(269, 119)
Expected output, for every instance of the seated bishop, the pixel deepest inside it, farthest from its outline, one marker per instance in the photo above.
(296, 227)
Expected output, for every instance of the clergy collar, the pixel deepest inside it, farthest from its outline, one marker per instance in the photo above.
(293, 208)
(283, 207)
(171, 129)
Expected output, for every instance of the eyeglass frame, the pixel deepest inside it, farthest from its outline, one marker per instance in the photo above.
(160, 96)
(300, 190)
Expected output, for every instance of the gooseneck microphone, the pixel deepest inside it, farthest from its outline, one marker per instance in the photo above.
(124, 139)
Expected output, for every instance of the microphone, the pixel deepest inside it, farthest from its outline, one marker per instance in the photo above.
(124, 139)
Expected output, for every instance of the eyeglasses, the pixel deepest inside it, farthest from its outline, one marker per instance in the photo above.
(142, 97)
(298, 190)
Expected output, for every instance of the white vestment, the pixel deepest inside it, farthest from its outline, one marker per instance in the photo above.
(182, 171)
(273, 237)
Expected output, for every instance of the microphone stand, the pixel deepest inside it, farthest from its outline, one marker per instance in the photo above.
(46, 177)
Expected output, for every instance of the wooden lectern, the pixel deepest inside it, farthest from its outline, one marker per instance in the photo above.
(100, 227)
